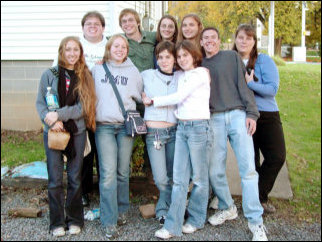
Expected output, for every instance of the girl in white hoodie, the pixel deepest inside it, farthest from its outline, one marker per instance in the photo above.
(114, 147)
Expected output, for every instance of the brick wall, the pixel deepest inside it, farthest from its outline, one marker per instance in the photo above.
(19, 87)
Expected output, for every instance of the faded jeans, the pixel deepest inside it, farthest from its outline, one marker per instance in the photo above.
(190, 159)
(232, 125)
(162, 164)
(114, 149)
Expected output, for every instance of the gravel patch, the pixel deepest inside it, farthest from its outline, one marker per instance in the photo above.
(137, 228)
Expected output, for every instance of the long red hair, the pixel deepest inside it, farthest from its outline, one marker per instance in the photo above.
(85, 86)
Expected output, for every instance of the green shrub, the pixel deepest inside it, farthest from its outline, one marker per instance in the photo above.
(264, 51)
(137, 160)
(278, 61)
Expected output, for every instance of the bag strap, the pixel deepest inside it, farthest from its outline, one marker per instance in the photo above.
(117, 94)
(55, 72)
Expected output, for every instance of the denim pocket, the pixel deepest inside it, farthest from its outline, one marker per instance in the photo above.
(200, 128)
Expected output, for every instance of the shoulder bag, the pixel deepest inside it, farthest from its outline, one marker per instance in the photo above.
(133, 122)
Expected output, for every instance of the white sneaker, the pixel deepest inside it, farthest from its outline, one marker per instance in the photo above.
(111, 231)
(74, 229)
(163, 234)
(58, 232)
(258, 232)
(214, 203)
(223, 215)
(188, 229)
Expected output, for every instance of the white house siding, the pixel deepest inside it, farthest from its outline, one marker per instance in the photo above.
(33, 30)
(30, 35)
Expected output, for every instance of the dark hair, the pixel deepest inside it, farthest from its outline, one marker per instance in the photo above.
(165, 45)
(250, 31)
(175, 35)
(209, 28)
(201, 36)
(93, 14)
(192, 49)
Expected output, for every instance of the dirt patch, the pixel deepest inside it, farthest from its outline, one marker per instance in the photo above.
(17, 136)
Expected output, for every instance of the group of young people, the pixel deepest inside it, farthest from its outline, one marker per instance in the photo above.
(196, 96)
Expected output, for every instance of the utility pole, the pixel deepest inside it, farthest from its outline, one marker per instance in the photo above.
(299, 52)
(271, 30)
(303, 24)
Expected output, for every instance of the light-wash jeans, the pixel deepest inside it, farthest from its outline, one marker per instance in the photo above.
(114, 149)
(162, 164)
(232, 124)
(191, 157)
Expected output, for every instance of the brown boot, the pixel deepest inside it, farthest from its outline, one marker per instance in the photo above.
(268, 207)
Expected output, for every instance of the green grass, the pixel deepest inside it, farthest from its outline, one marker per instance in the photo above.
(18, 148)
(279, 61)
(299, 101)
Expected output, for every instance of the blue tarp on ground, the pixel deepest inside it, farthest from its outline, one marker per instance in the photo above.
(37, 169)
(4, 171)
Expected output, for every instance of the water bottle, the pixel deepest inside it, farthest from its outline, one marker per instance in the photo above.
(92, 214)
(51, 100)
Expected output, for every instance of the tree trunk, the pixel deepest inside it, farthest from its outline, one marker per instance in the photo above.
(278, 47)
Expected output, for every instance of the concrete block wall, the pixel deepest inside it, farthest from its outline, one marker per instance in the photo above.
(19, 87)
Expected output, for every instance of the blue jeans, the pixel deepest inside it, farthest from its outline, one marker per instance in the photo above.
(55, 166)
(190, 158)
(162, 164)
(114, 149)
(232, 124)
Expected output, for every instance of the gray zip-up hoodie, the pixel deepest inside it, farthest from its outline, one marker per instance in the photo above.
(159, 84)
(129, 84)
(74, 112)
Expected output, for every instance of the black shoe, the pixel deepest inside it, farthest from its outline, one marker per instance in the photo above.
(85, 200)
(186, 214)
(162, 220)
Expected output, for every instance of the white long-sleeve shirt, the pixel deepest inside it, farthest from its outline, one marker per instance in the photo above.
(192, 96)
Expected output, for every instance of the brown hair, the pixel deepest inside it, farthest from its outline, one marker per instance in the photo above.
(165, 45)
(250, 31)
(175, 35)
(107, 54)
(130, 11)
(201, 37)
(93, 14)
(193, 50)
(85, 85)
(200, 28)
(209, 28)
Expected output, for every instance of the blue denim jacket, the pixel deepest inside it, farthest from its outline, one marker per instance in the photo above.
(158, 84)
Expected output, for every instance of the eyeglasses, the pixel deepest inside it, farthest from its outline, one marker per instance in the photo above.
(163, 26)
(130, 20)
(92, 24)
